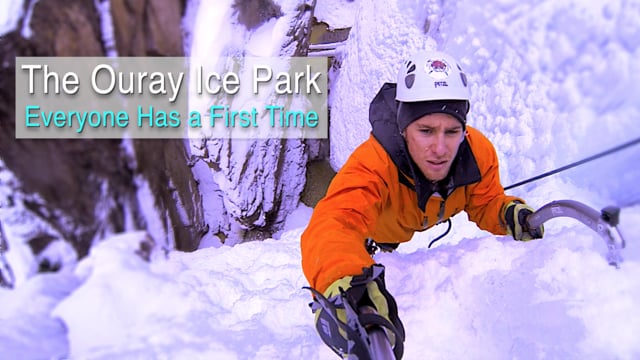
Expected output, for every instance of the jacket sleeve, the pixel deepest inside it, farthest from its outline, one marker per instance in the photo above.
(486, 199)
(333, 244)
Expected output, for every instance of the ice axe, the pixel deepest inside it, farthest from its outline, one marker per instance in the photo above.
(601, 222)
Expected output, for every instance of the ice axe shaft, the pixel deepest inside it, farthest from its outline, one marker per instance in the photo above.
(600, 222)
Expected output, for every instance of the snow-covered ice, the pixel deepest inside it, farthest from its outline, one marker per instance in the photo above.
(552, 82)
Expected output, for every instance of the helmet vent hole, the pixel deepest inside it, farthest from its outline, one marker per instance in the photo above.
(463, 77)
(412, 67)
(409, 80)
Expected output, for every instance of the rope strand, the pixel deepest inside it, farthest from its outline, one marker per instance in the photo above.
(580, 162)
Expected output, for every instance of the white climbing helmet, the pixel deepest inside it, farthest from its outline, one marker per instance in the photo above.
(431, 75)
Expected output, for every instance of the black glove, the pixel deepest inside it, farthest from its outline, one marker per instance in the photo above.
(516, 215)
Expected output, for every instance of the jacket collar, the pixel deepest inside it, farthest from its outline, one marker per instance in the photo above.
(382, 115)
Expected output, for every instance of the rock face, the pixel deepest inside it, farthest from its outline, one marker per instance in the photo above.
(148, 27)
(79, 191)
(56, 24)
(86, 189)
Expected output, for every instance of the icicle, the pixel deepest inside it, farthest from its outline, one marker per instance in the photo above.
(106, 26)
(10, 20)
(7, 279)
(26, 31)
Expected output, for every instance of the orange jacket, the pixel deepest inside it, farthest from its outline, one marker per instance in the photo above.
(374, 196)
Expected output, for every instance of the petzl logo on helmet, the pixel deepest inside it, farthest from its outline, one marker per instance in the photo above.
(437, 69)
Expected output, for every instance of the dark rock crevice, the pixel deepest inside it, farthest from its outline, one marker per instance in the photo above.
(253, 13)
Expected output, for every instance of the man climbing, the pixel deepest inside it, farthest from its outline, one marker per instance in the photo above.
(421, 165)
